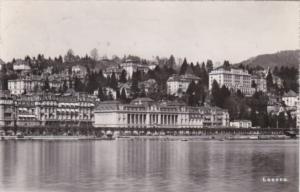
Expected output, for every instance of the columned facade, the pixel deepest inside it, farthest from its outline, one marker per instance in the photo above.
(158, 115)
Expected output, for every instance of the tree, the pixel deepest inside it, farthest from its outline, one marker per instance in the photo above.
(199, 93)
(226, 65)
(191, 94)
(78, 85)
(100, 95)
(94, 54)
(46, 86)
(253, 84)
(123, 78)
(70, 57)
(171, 62)
(123, 95)
(209, 66)
(269, 80)
(134, 86)
(191, 88)
(65, 86)
(91, 83)
(113, 81)
(184, 67)
(215, 93)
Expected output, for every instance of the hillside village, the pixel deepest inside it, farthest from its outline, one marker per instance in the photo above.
(265, 97)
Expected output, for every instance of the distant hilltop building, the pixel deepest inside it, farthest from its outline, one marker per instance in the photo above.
(145, 113)
(235, 79)
(178, 84)
(79, 71)
(117, 70)
(130, 66)
(21, 65)
(259, 79)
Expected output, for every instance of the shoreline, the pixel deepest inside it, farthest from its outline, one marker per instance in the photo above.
(164, 137)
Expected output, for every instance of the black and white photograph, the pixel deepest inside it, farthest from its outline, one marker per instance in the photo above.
(149, 96)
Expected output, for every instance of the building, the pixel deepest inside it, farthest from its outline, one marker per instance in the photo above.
(145, 113)
(152, 66)
(129, 66)
(46, 110)
(79, 71)
(233, 79)
(260, 82)
(25, 84)
(7, 110)
(21, 65)
(241, 124)
(178, 84)
(290, 99)
(117, 70)
(34, 83)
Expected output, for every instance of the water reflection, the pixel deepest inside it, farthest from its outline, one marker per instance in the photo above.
(145, 165)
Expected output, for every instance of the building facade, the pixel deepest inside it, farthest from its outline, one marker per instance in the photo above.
(46, 110)
(290, 99)
(117, 70)
(260, 82)
(241, 124)
(21, 65)
(26, 84)
(130, 67)
(145, 113)
(233, 79)
(178, 84)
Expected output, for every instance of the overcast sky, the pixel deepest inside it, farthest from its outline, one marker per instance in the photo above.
(196, 30)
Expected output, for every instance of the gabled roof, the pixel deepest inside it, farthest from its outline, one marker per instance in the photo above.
(290, 94)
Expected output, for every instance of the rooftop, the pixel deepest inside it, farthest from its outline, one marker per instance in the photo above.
(290, 94)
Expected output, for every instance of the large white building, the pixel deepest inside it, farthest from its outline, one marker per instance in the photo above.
(177, 85)
(233, 79)
(22, 85)
(145, 113)
(46, 110)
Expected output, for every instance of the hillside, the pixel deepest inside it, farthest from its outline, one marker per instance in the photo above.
(289, 58)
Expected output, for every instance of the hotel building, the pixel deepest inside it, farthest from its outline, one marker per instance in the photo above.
(233, 79)
(145, 113)
(46, 110)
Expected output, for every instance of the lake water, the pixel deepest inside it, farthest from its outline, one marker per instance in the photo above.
(147, 165)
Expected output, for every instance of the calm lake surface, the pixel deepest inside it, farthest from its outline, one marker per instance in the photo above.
(148, 165)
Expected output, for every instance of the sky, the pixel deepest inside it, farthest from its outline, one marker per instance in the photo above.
(199, 31)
